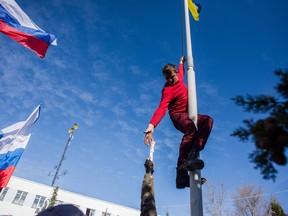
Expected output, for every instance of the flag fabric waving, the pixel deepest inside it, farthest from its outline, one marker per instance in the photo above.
(194, 9)
(18, 26)
(9, 157)
(13, 141)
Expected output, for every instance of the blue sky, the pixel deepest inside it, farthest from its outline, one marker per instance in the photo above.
(105, 75)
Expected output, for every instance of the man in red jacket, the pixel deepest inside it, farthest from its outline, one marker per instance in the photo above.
(175, 99)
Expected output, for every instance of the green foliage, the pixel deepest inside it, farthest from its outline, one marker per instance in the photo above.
(270, 135)
(276, 209)
(53, 199)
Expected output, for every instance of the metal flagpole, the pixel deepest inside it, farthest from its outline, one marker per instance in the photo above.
(70, 131)
(196, 207)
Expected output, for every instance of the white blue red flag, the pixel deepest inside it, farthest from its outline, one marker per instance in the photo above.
(15, 23)
(13, 141)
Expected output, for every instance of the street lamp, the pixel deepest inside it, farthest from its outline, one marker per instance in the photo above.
(70, 131)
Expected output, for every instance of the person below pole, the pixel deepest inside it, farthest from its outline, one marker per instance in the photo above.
(148, 206)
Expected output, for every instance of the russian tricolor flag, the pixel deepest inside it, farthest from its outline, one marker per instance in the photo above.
(13, 141)
(18, 26)
(9, 157)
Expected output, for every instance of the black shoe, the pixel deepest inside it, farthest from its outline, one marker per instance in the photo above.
(182, 179)
(193, 162)
(203, 180)
(149, 166)
(196, 164)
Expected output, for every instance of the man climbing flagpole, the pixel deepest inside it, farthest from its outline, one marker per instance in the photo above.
(182, 105)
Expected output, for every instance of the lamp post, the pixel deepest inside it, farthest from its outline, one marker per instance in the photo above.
(70, 131)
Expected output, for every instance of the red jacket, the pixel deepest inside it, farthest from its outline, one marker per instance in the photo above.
(174, 98)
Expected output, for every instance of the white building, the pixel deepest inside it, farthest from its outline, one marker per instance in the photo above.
(26, 198)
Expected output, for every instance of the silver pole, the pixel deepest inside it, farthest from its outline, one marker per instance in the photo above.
(196, 207)
(192, 97)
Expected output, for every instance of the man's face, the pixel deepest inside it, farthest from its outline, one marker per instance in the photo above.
(171, 78)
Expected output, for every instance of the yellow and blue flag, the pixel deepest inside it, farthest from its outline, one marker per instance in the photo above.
(194, 9)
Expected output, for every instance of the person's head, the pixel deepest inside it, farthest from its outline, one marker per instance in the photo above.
(170, 73)
(62, 210)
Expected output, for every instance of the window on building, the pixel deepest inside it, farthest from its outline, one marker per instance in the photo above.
(3, 193)
(90, 212)
(38, 202)
(20, 197)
